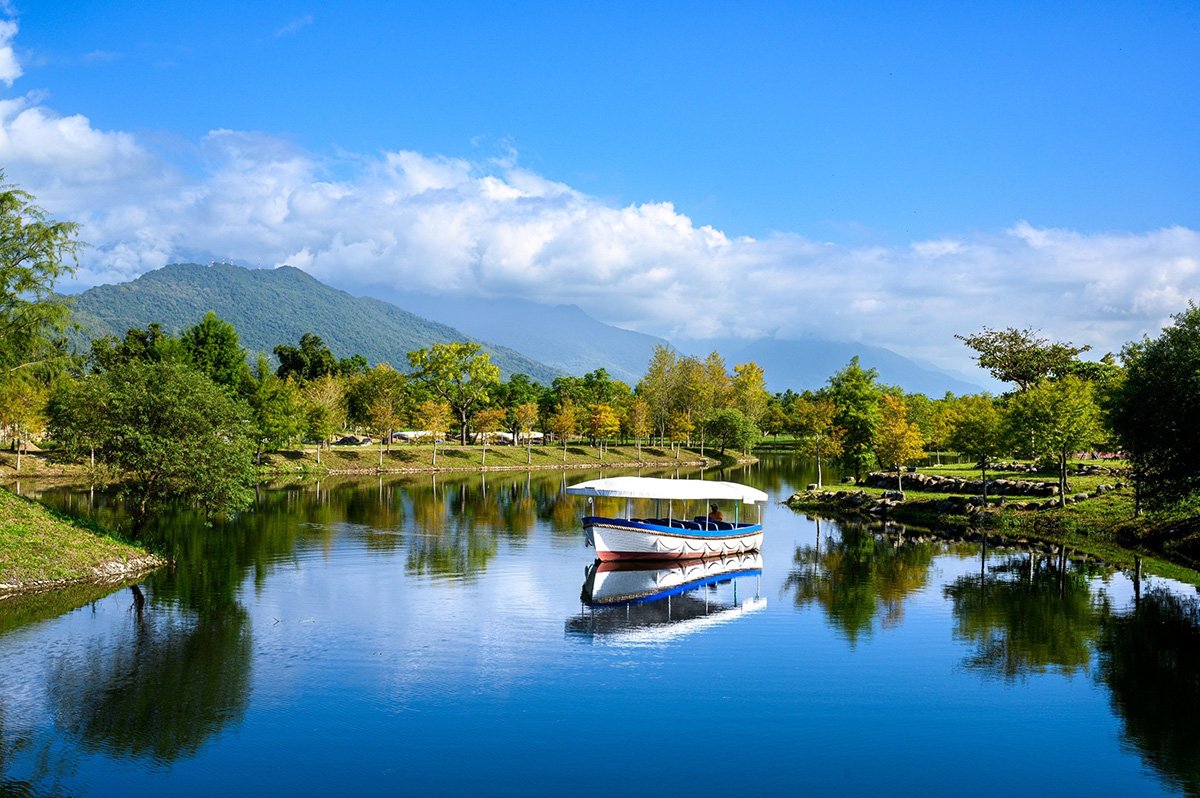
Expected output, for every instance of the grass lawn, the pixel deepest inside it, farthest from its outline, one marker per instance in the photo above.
(452, 457)
(40, 547)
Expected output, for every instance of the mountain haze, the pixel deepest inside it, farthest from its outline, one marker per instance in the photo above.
(276, 306)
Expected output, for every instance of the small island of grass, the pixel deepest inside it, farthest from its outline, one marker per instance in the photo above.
(42, 549)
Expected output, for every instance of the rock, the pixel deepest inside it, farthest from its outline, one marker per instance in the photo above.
(847, 480)
(1080, 497)
(896, 495)
(812, 486)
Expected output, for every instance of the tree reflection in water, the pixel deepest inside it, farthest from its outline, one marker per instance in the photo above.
(1028, 614)
(1150, 659)
(858, 574)
(161, 689)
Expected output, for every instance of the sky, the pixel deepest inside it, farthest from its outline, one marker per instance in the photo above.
(881, 172)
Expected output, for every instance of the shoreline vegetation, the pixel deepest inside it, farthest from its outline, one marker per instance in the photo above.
(403, 459)
(43, 550)
(1098, 517)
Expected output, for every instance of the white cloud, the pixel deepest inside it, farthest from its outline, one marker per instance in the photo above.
(411, 221)
(10, 68)
(295, 25)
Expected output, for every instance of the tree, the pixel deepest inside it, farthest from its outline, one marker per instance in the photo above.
(278, 414)
(1155, 411)
(749, 391)
(976, 431)
(657, 385)
(856, 397)
(602, 423)
(383, 390)
(433, 417)
(637, 422)
(1021, 357)
(679, 430)
(212, 348)
(458, 373)
(897, 440)
(487, 421)
(813, 423)
(1055, 418)
(525, 415)
(35, 252)
(23, 410)
(730, 428)
(324, 409)
(174, 436)
(564, 422)
(308, 361)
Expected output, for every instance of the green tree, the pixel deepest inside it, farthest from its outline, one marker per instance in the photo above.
(386, 397)
(1155, 411)
(813, 422)
(35, 252)
(277, 409)
(1054, 419)
(730, 428)
(311, 359)
(212, 348)
(23, 411)
(898, 441)
(324, 409)
(174, 436)
(1022, 357)
(750, 391)
(856, 396)
(977, 432)
(459, 374)
(657, 386)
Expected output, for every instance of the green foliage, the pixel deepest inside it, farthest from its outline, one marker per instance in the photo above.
(976, 429)
(212, 348)
(308, 361)
(1155, 411)
(856, 396)
(35, 252)
(1053, 419)
(1021, 356)
(172, 434)
(459, 374)
(897, 440)
(729, 428)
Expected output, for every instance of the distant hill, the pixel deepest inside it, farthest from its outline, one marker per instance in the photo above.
(809, 363)
(276, 306)
(562, 336)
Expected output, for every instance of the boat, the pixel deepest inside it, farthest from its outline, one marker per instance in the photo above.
(632, 602)
(667, 537)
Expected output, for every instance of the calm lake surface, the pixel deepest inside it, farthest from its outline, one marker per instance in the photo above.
(427, 635)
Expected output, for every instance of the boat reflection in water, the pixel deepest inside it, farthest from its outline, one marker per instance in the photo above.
(642, 602)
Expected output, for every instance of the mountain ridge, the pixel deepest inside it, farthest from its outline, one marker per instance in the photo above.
(276, 306)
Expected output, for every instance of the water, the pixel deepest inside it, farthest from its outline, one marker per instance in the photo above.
(427, 636)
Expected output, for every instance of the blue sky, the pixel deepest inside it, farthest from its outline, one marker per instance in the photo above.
(872, 163)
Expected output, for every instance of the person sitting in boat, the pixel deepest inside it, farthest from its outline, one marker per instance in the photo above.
(714, 513)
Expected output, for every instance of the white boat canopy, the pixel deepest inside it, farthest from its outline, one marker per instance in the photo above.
(655, 488)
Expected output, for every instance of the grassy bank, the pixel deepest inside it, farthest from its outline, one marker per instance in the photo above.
(419, 458)
(1102, 525)
(403, 458)
(42, 549)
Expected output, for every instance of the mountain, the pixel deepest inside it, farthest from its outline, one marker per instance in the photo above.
(276, 306)
(809, 363)
(562, 336)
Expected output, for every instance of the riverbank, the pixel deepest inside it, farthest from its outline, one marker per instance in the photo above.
(1098, 518)
(406, 459)
(41, 549)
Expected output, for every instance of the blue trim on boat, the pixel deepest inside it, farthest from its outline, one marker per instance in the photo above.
(678, 526)
(684, 588)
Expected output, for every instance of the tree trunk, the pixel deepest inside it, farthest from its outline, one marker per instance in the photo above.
(564, 448)
(900, 478)
(1062, 479)
(381, 452)
(529, 450)
(983, 473)
(818, 471)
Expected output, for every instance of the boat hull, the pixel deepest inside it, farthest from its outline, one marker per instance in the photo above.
(615, 539)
